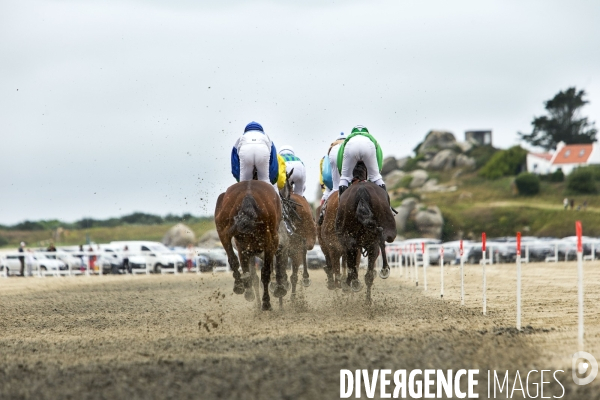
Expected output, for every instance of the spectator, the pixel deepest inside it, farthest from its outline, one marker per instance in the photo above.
(81, 256)
(92, 259)
(585, 205)
(566, 203)
(22, 259)
(190, 257)
(126, 265)
(572, 203)
(29, 261)
(51, 247)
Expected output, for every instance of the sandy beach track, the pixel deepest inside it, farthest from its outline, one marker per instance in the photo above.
(188, 336)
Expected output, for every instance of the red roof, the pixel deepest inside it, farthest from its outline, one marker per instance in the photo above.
(573, 154)
(545, 156)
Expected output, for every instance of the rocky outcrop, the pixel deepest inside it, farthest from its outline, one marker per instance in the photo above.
(210, 240)
(401, 162)
(432, 186)
(465, 161)
(393, 178)
(389, 165)
(179, 236)
(443, 160)
(436, 141)
(429, 222)
(404, 211)
(465, 146)
(419, 178)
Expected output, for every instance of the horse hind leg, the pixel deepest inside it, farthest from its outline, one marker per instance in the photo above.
(265, 277)
(294, 277)
(234, 264)
(246, 276)
(373, 252)
(305, 277)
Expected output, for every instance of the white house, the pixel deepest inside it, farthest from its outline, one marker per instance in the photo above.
(567, 157)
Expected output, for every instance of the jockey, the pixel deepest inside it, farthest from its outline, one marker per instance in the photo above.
(298, 177)
(359, 146)
(329, 172)
(254, 149)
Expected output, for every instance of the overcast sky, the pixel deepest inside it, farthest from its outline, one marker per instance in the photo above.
(109, 107)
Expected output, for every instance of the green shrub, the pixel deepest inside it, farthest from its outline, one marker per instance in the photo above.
(581, 180)
(528, 184)
(3, 241)
(482, 154)
(411, 163)
(405, 181)
(504, 163)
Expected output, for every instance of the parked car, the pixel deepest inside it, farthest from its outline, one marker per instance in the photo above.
(40, 262)
(449, 256)
(213, 258)
(154, 254)
(315, 258)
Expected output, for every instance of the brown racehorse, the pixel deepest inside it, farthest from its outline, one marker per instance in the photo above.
(250, 213)
(303, 237)
(330, 243)
(364, 221)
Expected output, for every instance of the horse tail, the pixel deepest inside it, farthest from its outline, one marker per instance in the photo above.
(364, 214)
(245, 220)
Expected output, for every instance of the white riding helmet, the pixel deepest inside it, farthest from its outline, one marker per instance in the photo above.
(341, 136)
(286, 149)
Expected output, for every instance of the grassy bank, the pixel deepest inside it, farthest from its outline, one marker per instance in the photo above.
(493, 206)
(97, 234)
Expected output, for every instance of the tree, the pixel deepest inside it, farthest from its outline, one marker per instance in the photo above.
(504, 163)
(528, 184)
(563, 122)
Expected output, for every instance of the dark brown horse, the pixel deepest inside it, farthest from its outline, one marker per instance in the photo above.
(250, 213)
(330, 243)
(364, 223)
(303, 237)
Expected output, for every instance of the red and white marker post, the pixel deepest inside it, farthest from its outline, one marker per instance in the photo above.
(462, 274)
(484, 281)
(579, 283)
(442, 272)
(519, 280)
(424, 265)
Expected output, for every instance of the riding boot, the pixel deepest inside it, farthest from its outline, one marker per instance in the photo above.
(322, 214)
(341, 190)
(388, 197)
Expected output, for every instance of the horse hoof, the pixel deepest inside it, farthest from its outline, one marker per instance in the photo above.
(345, 287)
(384, 273)
(280, 291)
(330, 285)
(238, 289)
(272, 286)
(246, 276)
(306, 282)
(287, 285)
(266, 306)
(249, 295)
(356, 285)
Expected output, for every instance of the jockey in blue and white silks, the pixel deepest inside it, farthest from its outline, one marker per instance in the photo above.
(298, 177)
(331, 158)
(254, 149)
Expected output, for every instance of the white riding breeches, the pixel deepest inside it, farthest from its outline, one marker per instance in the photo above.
(360, 148)
(335, 173)
(254, 155)
(298, 177)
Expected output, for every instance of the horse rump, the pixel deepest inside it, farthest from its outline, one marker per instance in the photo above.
(364, 214)
(244, 221)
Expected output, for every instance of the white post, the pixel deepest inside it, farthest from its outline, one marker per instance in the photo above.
(442, 273)
(491, 256)
(484, 285)
(527, 253)
(462, 278)
(518, 290)
(100, 267)
(555, 252)
(425, 265)
(416, 268)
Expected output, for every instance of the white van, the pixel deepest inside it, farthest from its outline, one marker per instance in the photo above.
(154, 254)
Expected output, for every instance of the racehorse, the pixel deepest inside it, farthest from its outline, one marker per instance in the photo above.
(330, 243)
(303, 236)
(364, 222)
(250, 213)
